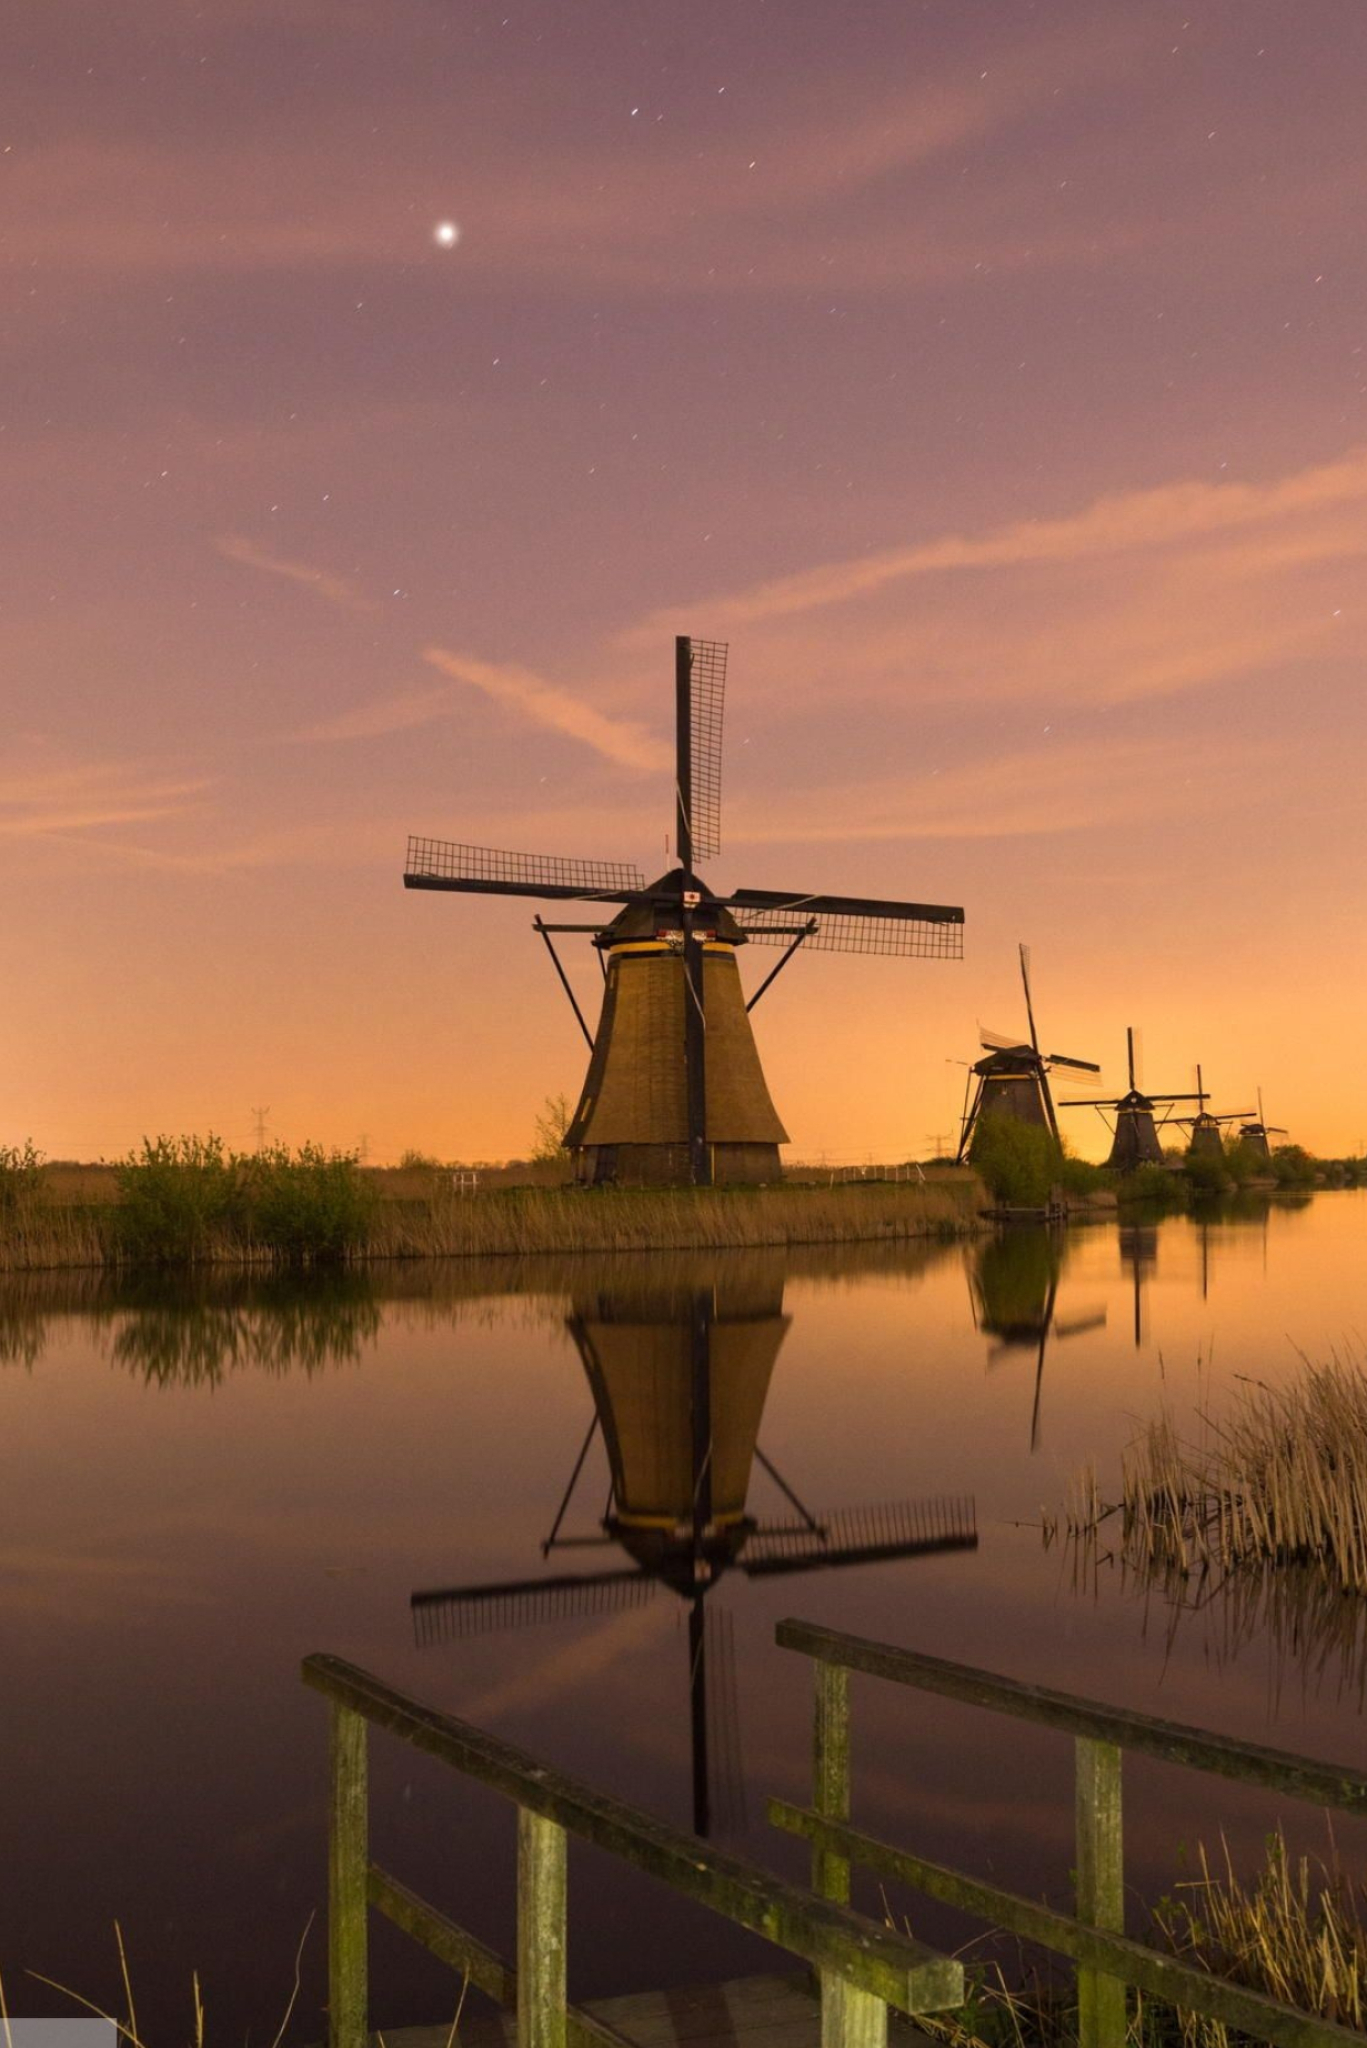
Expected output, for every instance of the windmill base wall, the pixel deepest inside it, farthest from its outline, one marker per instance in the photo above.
(667, 1166)
(1206, 1142)
(1136, 1142)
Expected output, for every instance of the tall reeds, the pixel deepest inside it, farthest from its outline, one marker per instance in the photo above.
(1281, 1479)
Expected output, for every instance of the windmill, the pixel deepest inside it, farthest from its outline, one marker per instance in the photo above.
(675, 1090)
(1206, 1141)
(679, 1372)
(1013, 1292)
(1135, 1140)
(1255, 1135)
(1013, 1079)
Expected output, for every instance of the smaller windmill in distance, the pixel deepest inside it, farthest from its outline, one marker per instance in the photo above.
(1135, 1140)
(1206, 1141)
(1013, 1080)
(1256, 1134)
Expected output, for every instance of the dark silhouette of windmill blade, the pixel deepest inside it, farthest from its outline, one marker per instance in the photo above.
(861, 1536)
(1063, 1059)
(700, 694)
(447, 1613)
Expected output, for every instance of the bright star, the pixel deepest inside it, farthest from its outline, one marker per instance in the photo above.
(446, 234)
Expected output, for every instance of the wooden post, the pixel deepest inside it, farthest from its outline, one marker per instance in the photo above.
(348, 2016)
(541, 1883)
(831, 1775)
(851, 2018)
(1100, 1887)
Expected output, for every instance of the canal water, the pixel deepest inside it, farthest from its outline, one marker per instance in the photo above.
(203, 1485)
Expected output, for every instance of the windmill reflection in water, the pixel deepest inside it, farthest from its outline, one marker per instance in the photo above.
(679, 1367)
(1013, 1281)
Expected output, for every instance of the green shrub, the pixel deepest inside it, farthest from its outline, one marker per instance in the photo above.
(310, 1205)
(1207, 1173)
(21, 1177)
(1293, 1167)
(180, 1198)
(1151, 1182)
(1244, 1162)
(1019, 1162)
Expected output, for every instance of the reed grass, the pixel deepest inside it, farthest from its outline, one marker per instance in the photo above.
(526, 1221)
(1280, 1480)
(1294, 1931)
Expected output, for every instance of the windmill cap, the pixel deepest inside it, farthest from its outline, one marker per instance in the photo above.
(642, 920)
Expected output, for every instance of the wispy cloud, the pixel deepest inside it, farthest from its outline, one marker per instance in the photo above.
(63, 801)
(517, 689)
(1171, 516)
(333, 589)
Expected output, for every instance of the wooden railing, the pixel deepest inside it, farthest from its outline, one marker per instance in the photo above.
(865, 1968)
(1093, 1936)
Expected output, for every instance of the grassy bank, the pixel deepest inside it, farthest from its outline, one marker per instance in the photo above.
(189, 1203)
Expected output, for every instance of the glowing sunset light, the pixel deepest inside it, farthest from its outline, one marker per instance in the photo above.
(1009, 422)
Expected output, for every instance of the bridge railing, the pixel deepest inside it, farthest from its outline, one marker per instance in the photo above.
(864, 1968)
(1093, 1936)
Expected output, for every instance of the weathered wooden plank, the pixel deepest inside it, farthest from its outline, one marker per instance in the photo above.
(347, 1858)
(1321, 1784)
(901, 1971)
(1265, 2019)
(541, 1898)
(1100, 1888)
(831, 1775)
(851, 2018)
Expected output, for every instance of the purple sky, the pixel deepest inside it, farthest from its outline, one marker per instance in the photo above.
(992, 378)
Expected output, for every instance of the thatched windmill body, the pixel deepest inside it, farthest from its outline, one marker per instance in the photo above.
(1206, 1139)
(675, 1090)
(1013, 1079)
(1135, 1140)
(679, 1371)
(1256, 1134)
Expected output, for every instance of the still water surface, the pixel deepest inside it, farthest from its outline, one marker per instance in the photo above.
(203, 1487)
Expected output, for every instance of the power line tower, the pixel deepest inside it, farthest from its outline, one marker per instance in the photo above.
(938, 1140)
(259, 1124)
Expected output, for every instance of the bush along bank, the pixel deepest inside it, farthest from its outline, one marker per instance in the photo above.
(191, 1201)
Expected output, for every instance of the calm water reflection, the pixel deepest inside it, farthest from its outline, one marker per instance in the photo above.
(203, 1486)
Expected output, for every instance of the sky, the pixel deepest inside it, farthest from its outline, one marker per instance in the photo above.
(383, 386)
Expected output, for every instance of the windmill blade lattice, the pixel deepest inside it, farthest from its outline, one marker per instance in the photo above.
(908, 931)
(452, 864)
(708, 704)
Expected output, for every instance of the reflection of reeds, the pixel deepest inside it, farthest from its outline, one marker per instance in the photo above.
(1294, 1932)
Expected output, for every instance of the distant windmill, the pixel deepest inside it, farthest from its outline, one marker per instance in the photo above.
(1013, 1081)
(1205, 1140)
(1256, 1135)
(675, 1090)
(679, 1374)
(1135, 1141)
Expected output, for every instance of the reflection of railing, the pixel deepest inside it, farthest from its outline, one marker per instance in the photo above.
(1094, 1936)
(865, 1967)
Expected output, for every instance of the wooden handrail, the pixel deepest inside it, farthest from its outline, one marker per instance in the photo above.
(866, 1966)
(1320, 1784)
(1094, 1937)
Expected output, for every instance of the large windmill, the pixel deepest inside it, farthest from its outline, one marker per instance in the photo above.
(679, 1371)
(1135, 1140)
(1013, 1080)
(675, 1090)
(1206, 1140)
